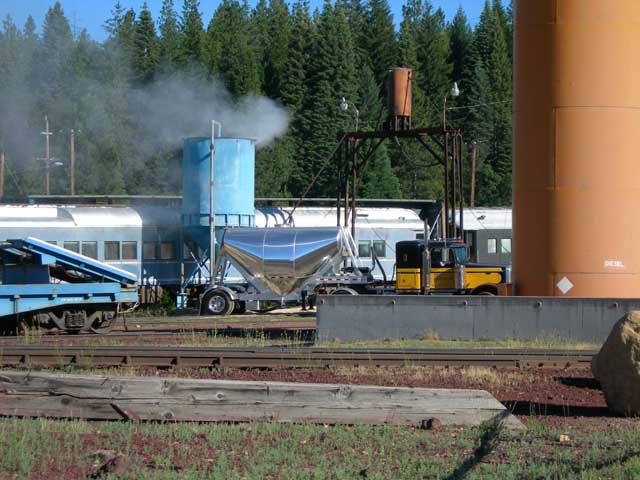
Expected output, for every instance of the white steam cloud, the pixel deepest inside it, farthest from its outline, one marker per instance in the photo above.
(180, 106)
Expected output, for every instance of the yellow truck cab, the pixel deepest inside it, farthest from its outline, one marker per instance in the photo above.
(444, 268)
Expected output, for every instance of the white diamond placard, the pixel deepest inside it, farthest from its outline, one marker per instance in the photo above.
(564, 285)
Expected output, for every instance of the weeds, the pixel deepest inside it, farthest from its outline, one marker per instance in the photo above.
(48, 448)
(431, 340)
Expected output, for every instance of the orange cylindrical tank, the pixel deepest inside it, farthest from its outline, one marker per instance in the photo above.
(577, 148)
(399, 92)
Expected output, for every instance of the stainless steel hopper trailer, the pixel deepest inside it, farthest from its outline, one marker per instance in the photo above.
(281, 266)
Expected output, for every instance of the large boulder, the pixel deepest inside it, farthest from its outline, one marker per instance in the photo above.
(617, 366)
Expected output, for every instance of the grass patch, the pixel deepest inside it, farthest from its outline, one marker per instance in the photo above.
(52, 449)
(432, 341)
(257, 338)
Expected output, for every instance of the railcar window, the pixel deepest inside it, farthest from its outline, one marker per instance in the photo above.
(73, 246)
(52, 242)
(149, 251)
(112, 250)
(380, 247)
(492, 244)
(167, 251)
(90, 249)
(419, 235)
(129, 250)
(364, 249)
(505, 245)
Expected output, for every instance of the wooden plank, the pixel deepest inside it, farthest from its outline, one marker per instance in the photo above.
(174, 399)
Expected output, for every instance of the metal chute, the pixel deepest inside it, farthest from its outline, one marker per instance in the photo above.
(282, 260)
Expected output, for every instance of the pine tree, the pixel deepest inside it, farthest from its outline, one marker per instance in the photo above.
(381, 45)
(56, 46)
(461, 40)
(500, 78)
(421, 37)
(378, 180)
(478, 122)
(276, 54)
(295, 69)
(259, 24)
(483, 34)
(307, 61)
(232, 55)
(491, 53)
(112, 25)
(293, 90)
(169, 44)
(356, 15)
(192, 30)
(126, 36)
(331, 76)
(274, 167)
(408, 46)
(433, 56)
(505, 19)
(10, 87)
(146, 55)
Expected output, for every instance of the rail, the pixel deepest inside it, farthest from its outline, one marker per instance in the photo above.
(280, 357)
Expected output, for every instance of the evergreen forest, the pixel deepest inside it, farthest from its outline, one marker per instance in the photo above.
(276, 72)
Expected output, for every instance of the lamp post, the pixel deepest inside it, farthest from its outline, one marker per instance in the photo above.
(455, 92)
(344, 106)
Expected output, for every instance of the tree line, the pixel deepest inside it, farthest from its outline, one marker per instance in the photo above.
(305, 60)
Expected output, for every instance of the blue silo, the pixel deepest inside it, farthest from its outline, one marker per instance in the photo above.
(233, 195)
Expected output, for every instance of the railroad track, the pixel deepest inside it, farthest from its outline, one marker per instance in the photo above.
(279, 357)
(149, 327)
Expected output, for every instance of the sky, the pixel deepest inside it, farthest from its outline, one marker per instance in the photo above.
(91, 14)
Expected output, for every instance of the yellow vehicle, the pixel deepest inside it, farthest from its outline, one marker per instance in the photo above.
(444, 268)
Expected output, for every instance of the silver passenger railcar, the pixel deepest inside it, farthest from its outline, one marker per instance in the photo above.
(148, 241)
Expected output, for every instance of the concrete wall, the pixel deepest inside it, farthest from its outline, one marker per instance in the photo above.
(366, 317)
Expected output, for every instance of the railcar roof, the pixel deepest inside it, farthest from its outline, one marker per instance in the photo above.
(86, 216)
(486, 219)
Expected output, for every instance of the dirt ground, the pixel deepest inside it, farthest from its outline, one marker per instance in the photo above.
(554, 396)
(570, 434)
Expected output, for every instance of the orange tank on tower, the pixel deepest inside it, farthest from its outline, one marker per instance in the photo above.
(577, 148)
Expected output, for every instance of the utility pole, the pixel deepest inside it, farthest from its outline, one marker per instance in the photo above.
(1, 175)
(474, 159)
(47, 157)
(72, 163)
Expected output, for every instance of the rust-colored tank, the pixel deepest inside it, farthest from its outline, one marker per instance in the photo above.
(577, 148)
(399, 98)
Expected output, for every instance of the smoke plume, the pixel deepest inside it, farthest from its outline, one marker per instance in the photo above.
(180, 106)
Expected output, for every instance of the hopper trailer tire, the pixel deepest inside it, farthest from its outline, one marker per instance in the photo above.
(344, 291)
(240, 308)
(217, 302)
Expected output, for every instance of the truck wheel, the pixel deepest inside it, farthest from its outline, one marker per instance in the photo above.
(240, 308)
(344, 291)
(217, 302)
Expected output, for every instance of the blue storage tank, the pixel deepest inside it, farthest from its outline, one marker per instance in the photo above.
(234, 169)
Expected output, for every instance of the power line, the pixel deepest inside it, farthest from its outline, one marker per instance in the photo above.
(479, 105)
